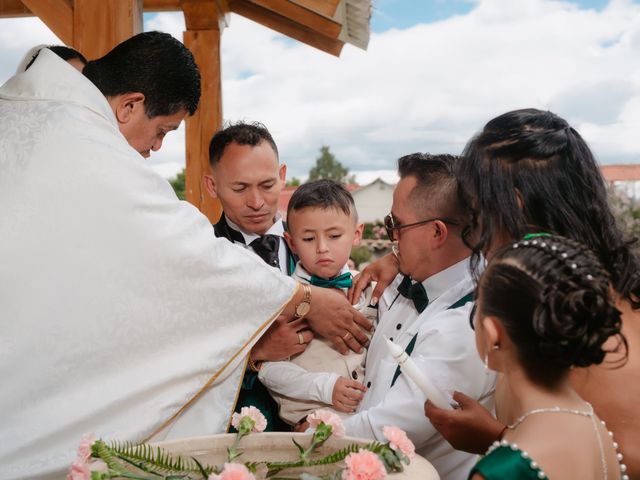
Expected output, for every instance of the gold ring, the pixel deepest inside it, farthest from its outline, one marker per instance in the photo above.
(346, 336)
(300, 339)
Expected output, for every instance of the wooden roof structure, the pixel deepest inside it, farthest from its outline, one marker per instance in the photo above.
(94, 27)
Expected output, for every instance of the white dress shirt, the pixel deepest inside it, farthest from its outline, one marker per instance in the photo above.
(306, 382)
(276, 229)
(445, 351)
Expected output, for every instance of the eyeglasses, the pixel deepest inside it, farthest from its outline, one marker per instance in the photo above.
(472, 316)
(390, 225)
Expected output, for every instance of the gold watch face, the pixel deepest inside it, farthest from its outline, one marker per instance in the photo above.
(302, 309)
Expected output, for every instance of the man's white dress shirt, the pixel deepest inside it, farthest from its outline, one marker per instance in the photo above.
(445, 351)
(276, 229)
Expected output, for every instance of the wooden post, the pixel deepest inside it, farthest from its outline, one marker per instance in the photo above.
(98, 26)
(203, 39)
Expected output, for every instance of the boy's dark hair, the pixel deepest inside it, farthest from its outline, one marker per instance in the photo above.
(154, 64)
(64, 52)
(324, 194)
(242, 133)
(436, 189)
(529, 170)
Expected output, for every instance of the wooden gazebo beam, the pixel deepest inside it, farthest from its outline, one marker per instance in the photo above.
(95, 26)
(203, 21)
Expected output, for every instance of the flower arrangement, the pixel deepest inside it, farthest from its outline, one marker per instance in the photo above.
(98, 460)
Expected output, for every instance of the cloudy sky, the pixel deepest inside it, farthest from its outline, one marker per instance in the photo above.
(434, 73)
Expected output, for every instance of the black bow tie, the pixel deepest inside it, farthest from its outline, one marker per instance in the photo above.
(267, 247)
(415, 292)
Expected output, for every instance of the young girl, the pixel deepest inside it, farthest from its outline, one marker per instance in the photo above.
(544, 307)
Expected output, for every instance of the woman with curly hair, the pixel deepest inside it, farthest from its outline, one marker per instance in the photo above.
(544, 307)
(530, 171)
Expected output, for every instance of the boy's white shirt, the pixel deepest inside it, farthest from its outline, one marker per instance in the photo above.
(293, 381)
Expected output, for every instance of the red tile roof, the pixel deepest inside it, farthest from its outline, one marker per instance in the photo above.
(629, 172)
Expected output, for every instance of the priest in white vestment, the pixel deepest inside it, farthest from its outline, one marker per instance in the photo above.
(121, 313)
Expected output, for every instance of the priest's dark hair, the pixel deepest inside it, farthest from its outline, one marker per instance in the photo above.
(324, 194)
(436, 188)
(154, 64)
(64, 52)
(242, 133)
(552, 296)
(529, 170)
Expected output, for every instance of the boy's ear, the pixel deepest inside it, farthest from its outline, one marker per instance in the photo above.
(290, 242)
(358, 235)
(210, 185)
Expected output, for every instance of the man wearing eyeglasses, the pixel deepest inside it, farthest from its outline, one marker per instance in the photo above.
(425, 311)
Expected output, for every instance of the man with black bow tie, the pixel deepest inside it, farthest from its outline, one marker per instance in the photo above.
(247, 179)
(425, 311)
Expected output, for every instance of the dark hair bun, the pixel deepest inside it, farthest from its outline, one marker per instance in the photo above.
(572, 324)
(553, 297)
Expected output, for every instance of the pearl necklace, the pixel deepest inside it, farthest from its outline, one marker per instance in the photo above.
(588, 413)
(522, 417)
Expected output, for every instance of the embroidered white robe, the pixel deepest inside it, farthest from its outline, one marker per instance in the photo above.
(117, 303)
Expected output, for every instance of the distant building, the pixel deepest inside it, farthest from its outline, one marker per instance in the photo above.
(625, 178)
(373, 201)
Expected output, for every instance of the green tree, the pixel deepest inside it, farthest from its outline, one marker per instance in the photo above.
(294, 182)
(327, 166)
(178, 184)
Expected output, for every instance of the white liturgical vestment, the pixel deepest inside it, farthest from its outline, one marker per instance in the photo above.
(118, 305)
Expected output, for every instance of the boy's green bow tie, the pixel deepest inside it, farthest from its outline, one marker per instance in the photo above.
(341, 281)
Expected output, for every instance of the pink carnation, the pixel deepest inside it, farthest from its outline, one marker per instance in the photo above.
(233, 471)
(328, 418)
(398, 440)
(80, 467)
(84, 449)
(254, 414)
(79, 471)
(364, 465)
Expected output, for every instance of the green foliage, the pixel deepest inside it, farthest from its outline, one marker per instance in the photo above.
(294, 182)
(627, 213)
(145, 458)
(327, 166)
(178, 184)
(374, 231)
(360, 255)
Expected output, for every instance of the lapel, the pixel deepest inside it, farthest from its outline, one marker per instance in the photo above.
(223, 230)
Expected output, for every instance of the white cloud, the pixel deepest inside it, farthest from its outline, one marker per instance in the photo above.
(429, 87)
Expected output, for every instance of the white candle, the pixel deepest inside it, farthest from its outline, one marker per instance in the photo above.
(410, 369)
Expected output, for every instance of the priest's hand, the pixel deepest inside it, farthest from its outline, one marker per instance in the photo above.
(382, 271)
(283, 339)
(332, 317)
(470, 428)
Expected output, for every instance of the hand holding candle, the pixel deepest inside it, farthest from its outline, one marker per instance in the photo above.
(410, 369)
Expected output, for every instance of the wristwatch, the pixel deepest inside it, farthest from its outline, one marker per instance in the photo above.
(305, 305)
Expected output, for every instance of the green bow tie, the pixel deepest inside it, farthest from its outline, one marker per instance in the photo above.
(341, 281)
(415, 292)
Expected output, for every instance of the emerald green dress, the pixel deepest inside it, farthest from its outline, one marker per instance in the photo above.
(506, 461)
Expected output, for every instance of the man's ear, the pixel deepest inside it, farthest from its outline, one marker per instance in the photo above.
(358, 235)
(210, 185)
(290, 242)
(127, 106)
(440, 233)
(282, 173)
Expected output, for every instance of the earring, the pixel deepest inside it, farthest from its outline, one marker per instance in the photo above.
(486, 357)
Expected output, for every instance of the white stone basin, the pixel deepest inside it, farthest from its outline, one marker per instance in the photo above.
(278, 446)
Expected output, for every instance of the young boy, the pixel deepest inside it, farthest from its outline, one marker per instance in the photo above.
(322, 226)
